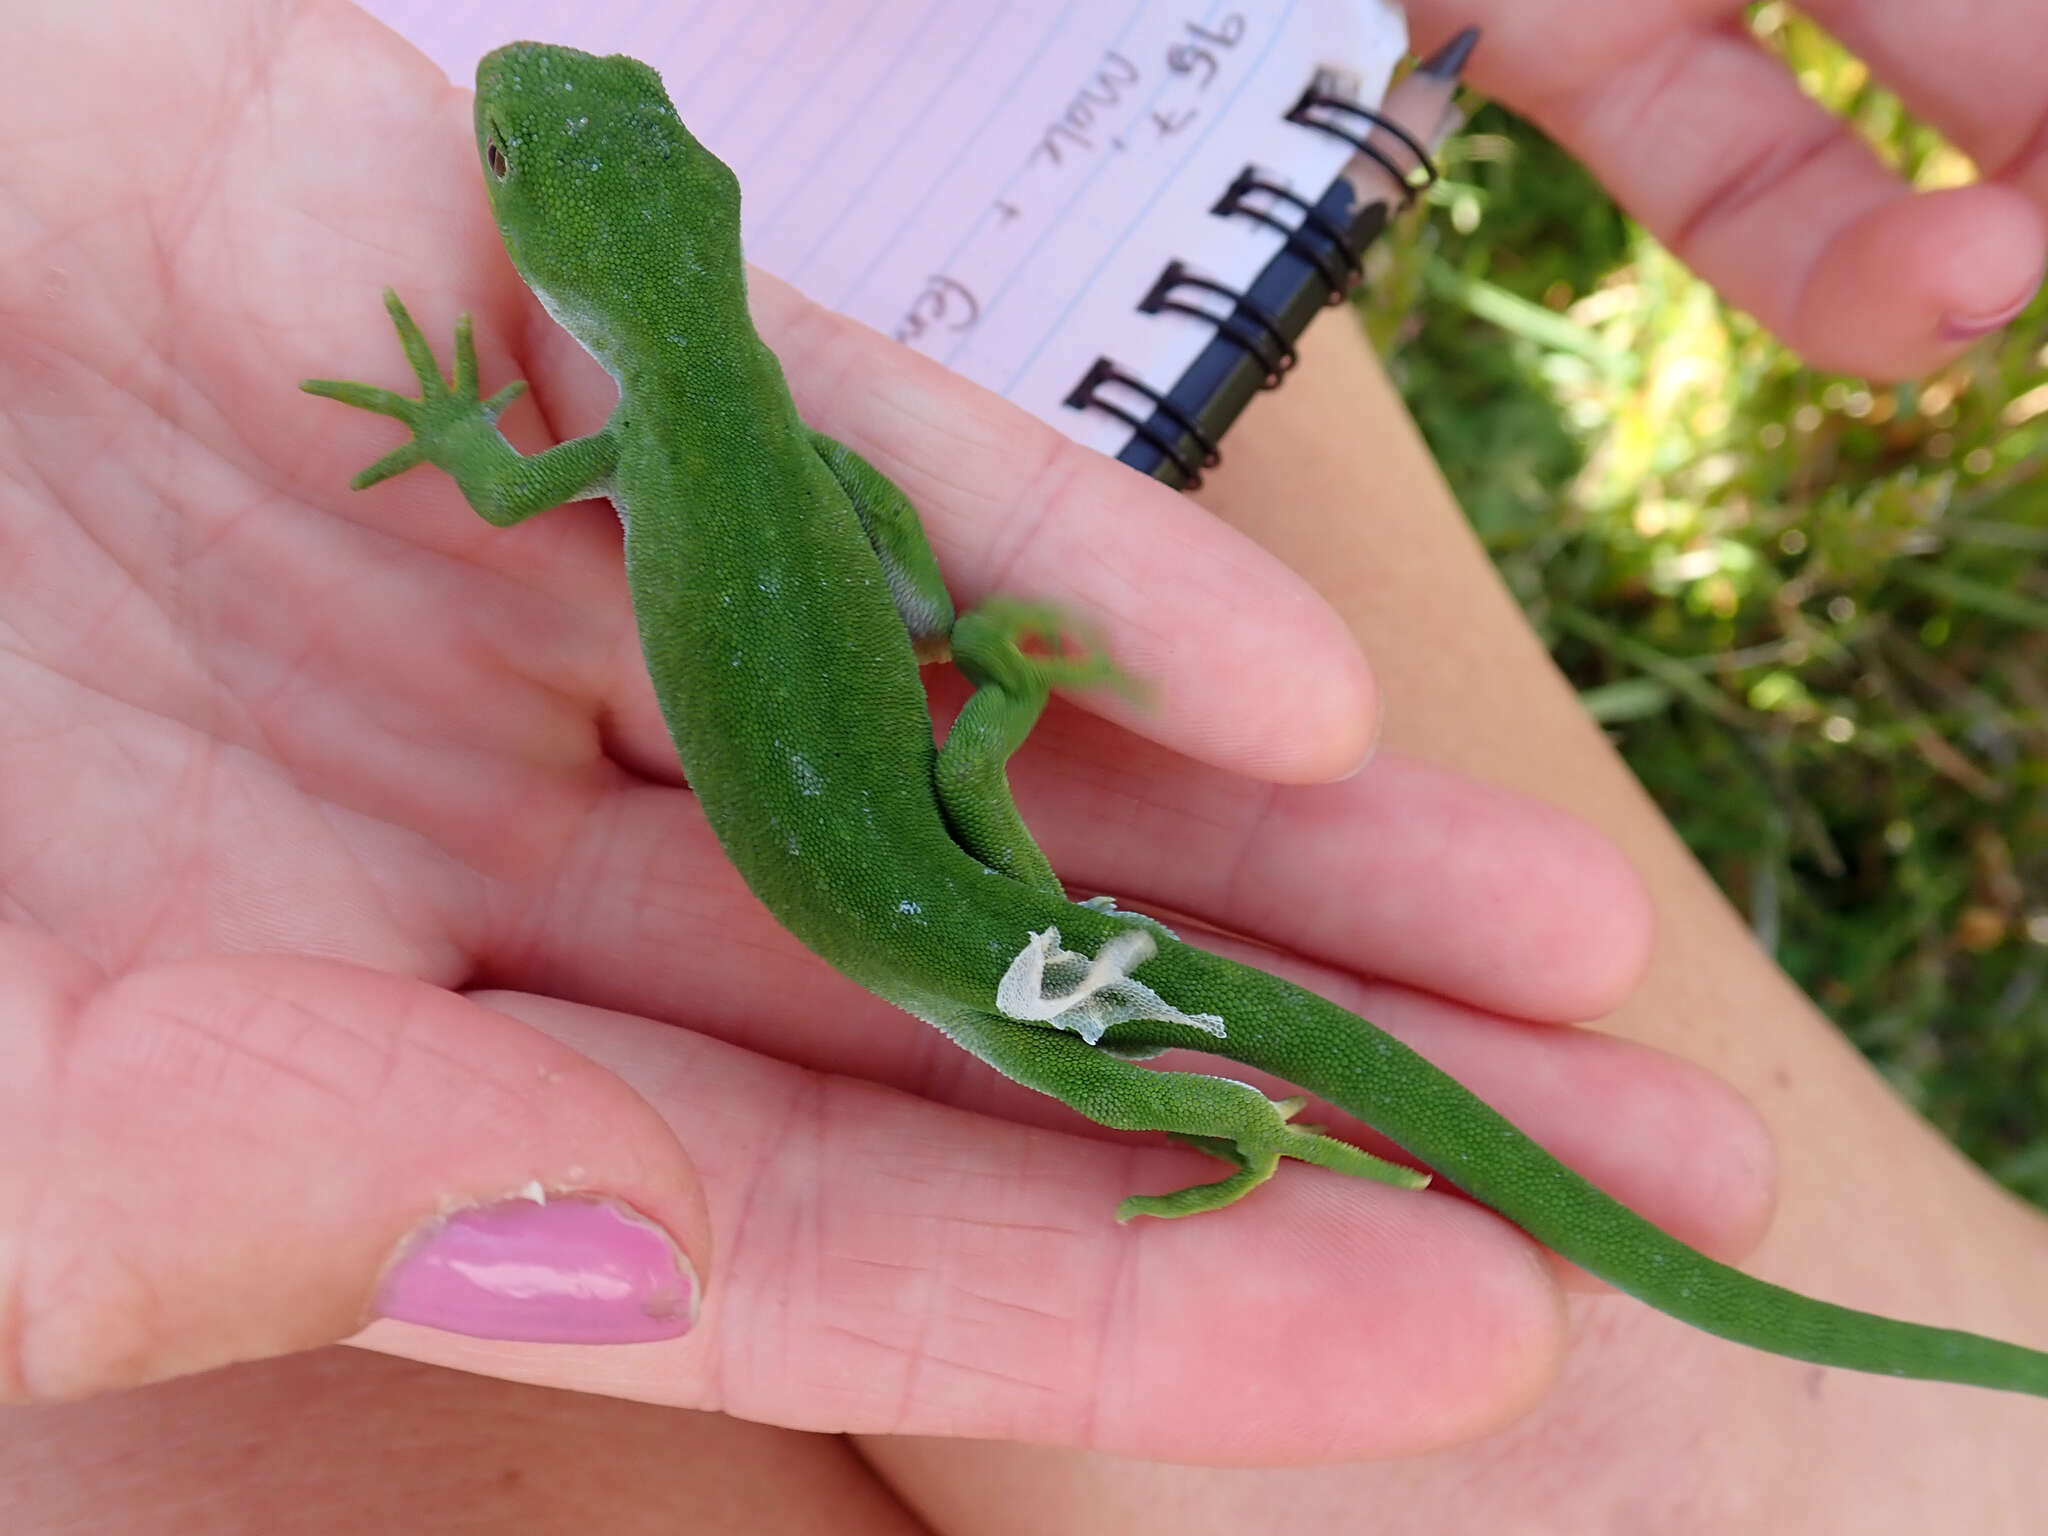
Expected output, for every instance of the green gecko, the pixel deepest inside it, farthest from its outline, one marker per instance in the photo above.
(785, 596)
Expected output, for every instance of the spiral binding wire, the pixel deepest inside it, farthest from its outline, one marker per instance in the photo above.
(1086, 395)
(1251, 327)
(1332, 257)
(1413, 181)
(1313, 238)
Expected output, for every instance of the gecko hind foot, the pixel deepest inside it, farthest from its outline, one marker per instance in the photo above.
(1026, 649)
(1257, 1163)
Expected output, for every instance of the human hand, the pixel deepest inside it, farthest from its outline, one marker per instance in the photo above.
(1708, 140)
(287, 774)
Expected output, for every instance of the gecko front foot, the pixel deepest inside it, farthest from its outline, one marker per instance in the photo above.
(445, 421)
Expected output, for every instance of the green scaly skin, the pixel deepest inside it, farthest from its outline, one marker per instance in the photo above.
(785, 595)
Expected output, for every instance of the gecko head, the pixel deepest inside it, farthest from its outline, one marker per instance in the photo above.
(595, 182)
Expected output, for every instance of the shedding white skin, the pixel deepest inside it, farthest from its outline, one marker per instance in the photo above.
(1060, 987)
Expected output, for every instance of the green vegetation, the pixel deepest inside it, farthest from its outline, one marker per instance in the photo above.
(1811, 610)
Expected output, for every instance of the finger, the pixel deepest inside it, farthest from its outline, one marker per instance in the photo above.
(1709, 141)
(1245, 666)
(1406, 873)
(1973, 71)
(1662, 1136)
(1712, 144)
(892, 1266)
(1905, 287)
(231, 1159)
(1248, 668)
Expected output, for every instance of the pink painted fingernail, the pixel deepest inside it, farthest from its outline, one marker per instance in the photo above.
(559, 1270)
(1970, 327)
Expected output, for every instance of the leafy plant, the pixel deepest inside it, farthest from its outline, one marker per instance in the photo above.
(1811, 609)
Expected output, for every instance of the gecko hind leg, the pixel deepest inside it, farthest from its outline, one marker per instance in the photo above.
(1015, 653)
(993, 646)
(1218, 1115)
(896, 535)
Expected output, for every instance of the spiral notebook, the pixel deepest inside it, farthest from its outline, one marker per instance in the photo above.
(1098, 208)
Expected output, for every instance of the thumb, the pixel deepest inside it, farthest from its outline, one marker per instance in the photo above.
(233, 1158)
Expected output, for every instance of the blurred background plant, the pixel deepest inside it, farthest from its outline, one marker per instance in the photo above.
(1811, 610)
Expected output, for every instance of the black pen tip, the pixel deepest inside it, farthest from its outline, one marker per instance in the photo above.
(1448, 62)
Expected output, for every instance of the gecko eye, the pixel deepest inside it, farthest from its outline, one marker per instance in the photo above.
(495, 155)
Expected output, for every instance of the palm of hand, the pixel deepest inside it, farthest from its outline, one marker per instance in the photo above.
(252, 730)
(290, 766)
(251, 714)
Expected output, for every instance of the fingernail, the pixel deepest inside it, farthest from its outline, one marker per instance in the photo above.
(1372, 749)
(541, 1270)
(1970, 327)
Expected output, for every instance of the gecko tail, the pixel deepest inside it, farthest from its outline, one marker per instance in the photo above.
(1309, 1041)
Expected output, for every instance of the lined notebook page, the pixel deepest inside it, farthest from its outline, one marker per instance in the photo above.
(998, 184)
